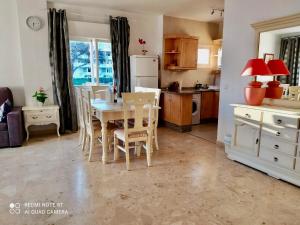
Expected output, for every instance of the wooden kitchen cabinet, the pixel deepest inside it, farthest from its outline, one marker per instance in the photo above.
(177, 109)
(209, 105)
(181, 53)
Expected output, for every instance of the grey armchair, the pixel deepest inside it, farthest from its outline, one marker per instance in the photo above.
(11, 132)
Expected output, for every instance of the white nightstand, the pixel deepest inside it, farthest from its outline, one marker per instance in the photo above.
(41, 115)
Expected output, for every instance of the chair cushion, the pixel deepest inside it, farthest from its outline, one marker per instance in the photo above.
(3, 126)
(121, 135)
(5, 108)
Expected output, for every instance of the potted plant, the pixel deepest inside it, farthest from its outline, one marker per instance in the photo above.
(40, 96)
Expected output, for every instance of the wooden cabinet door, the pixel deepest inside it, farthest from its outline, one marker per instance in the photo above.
(167, 107)
(175, 109)
(189, 50)
(216, 105)
(207, 105)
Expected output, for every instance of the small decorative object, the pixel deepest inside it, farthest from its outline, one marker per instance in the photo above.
(268, 57)
(40, 96)
(115, 93)
(34, 23)
(143, 42)
(294, 93)
(278, 68)
(254, 93)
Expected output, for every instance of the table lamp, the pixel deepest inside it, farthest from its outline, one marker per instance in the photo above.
(254, 93)
(278, 68)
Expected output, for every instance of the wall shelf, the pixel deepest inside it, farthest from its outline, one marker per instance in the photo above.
(180, 52)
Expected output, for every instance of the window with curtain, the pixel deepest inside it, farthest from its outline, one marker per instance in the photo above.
(91, 61)
(289, 53)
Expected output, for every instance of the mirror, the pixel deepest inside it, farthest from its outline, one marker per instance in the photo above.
(280, 39)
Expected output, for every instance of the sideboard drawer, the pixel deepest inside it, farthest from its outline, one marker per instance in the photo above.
(297, 165)
(276, 144)
(280, 132)
(277, 158)
(281, 120)
(246, 113)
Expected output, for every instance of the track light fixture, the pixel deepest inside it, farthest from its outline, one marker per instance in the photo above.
(221, 11)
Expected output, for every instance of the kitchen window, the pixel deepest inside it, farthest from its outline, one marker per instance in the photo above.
(91, 61)
(204, 57)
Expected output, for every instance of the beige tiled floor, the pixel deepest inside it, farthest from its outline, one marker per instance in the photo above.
(206, 131)
(191, 182)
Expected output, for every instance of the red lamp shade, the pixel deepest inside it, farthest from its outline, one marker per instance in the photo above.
(256, 67)
(278, 68)
(254, 94)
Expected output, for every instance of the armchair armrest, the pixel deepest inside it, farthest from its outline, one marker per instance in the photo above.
(15, 127)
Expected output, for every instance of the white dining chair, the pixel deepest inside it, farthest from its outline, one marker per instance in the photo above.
(79, 106)
(157, 92)
(93, 126)
(88, 121)
(100, 92)
(135, 103)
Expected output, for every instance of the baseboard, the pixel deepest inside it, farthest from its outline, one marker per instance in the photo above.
(220, 144)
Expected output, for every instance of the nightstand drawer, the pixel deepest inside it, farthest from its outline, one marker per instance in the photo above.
(246, 113)
(276, 144)
(277, 158)
(281, 120)
(40, 112)
(280, 132)
(45, 117)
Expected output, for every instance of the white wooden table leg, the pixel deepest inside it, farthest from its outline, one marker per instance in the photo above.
(104, 141)
(57, 129)
(27, 133)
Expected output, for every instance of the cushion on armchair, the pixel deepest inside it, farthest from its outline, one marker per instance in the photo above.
(5, 108)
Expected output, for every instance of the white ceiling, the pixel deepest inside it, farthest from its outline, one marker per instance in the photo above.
(190, 9)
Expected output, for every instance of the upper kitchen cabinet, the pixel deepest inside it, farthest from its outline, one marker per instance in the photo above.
(180, 53)
(217, 53)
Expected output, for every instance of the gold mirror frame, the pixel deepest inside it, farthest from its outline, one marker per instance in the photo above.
(275, 24)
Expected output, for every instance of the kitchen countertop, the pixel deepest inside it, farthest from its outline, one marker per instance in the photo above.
(189, 91)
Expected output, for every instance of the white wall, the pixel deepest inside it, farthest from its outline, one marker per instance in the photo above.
(79, 29)
(146, 26)
(11, 67)
(24, 53)
(34, 50)
(239, 46)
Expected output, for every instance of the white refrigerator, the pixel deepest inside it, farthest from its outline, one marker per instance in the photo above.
(143, 71)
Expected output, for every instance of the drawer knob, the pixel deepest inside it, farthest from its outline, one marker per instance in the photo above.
(279, 121)
(34, 117)
(275, 159)
(276, 146)
(278, 133)
(247, 115)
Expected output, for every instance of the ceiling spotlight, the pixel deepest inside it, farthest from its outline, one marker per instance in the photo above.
(221, 11)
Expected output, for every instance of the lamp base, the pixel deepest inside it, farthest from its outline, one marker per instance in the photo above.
(254, 95)
(273, 90)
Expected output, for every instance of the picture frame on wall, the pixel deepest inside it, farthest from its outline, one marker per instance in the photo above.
(268, 57)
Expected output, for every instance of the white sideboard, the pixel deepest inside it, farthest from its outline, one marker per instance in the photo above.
(267, 138)
(42, 115)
